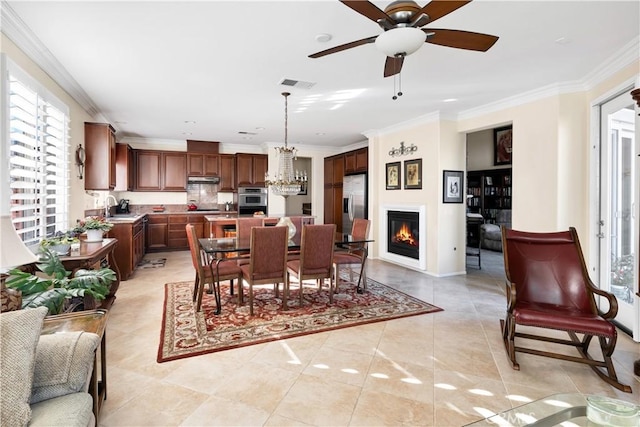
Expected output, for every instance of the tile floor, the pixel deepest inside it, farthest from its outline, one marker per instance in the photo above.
(442, 369)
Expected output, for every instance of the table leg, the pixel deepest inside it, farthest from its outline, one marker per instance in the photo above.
(216, 284)
(364, 260)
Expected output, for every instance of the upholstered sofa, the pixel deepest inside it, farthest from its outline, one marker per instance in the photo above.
(492, 234)
(44, 378)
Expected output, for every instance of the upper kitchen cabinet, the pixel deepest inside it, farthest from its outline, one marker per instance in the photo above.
(160, 170)
(250, 169)
(200, 164)
(100, 162)
(227, 172)
(124, 168)
(356, 161)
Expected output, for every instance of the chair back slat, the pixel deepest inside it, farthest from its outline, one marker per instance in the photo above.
(317, 246)
(548, 269)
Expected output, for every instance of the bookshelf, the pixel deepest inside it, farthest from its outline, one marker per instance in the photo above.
(490, 192)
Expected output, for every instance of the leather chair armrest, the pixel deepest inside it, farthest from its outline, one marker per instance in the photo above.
(511, 295)
(613, 303)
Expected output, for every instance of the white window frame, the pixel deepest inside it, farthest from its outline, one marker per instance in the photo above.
(43, 207)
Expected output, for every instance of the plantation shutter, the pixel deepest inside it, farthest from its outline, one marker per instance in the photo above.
(38, 159)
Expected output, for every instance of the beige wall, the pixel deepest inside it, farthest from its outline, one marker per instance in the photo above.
(79, 202)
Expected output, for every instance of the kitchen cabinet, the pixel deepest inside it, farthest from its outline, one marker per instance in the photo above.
(131, 245)
(100, 156)
(157, 233)
(201, 164)
(250, 169)
(356, 161)
(160, 170)
(178, 232)
(227, 172)
(124, 168)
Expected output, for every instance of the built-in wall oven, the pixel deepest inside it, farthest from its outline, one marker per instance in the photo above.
(251, 200)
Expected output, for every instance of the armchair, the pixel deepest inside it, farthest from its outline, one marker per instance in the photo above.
(548, 287)
(45, 378)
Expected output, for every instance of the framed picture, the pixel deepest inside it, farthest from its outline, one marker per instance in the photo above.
(452, 182)
(303, 189)
(413, 174)
(502, 145)
(393, 176)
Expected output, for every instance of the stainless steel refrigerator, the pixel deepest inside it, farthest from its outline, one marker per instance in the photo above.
(354, 201)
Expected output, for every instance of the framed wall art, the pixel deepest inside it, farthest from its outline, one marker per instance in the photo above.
(502, 145)
(394, 176)
(452, 186)
(413, 174)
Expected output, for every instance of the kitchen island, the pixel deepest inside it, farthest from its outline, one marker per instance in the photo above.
(219, 224)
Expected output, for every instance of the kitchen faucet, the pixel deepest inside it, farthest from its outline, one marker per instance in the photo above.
(106, 204)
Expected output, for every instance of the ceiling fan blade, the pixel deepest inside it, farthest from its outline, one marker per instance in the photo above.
(368, 9)
(343, 47)
(439, 8)
(393, 66)
(460, 39)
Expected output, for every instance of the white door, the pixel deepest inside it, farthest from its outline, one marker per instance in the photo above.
(618, 198)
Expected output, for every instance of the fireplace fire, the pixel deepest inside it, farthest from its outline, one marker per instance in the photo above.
(403, 233)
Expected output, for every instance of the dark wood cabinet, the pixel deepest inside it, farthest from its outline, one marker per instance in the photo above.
(227, 172)
(335, 168)
(174, 171)
(178, 231)
(131, 246)
(250, 169)
(100, 156)
(160, 170)
(356, 161)
(200, 164)
(157, 233)
(148, 170)
(124, 168)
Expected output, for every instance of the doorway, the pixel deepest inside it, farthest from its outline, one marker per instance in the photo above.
(295, 205)
(618, 223)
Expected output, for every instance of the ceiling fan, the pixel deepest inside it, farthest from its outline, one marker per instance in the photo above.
(401, 22)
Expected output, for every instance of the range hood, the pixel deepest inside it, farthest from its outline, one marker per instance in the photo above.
(203, 180)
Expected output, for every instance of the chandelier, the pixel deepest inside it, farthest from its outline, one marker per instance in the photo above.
(286, 182)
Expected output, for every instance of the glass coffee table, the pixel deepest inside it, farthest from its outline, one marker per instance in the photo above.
(571, 408)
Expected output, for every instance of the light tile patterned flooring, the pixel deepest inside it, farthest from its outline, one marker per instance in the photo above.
(442, 369)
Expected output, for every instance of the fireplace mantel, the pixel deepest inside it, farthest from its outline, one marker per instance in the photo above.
(383, 253)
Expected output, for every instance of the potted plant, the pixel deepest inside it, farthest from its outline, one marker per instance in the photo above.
(60, 243)
(95, 227)
(57, 289)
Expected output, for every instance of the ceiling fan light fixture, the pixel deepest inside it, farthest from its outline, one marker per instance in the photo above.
(400, 41)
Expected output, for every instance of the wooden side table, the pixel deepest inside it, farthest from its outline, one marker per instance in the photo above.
(89, 321)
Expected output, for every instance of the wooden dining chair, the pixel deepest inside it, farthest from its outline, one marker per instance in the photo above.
(316, 258)
(243, 233)
(227, 270)
(354, 256)
(548, 288)
(268, 260)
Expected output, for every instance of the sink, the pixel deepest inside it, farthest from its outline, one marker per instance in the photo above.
(123, 216)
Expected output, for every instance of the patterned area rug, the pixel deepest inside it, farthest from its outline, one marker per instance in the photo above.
(186, 333)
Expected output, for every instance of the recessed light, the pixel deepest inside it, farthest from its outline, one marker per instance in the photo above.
(320, 133)
(323, 38)
(187, 133)
(450, 100)
(260, 128)
(190, 122)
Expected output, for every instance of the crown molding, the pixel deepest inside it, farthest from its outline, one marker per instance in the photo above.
(628, 54)
(408, 124)
(16, 29)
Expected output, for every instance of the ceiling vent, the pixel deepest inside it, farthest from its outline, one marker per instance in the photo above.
(297, 83)
(246, 133)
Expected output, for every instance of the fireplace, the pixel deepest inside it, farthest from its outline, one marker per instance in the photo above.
(403, 236)
(389, 246)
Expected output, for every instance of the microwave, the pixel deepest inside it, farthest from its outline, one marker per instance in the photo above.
(252, 196)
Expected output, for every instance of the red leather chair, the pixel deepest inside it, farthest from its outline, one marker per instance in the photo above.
(316, 257)
(548, 287)
(228, 270)
(268, 262)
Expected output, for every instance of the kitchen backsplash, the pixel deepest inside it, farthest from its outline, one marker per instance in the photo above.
(204, 196)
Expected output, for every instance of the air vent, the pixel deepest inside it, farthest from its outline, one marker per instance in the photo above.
(297, 83)
(246, 133)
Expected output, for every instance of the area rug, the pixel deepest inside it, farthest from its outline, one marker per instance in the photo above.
(152, 263)
(186, 333)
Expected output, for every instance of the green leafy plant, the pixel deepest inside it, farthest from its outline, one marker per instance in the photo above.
(60, 238)
(93, 223)
(58, 287)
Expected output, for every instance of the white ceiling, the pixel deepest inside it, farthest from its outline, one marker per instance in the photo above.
(150, 66)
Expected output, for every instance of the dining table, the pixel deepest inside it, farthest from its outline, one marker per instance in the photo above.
(219, 249)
